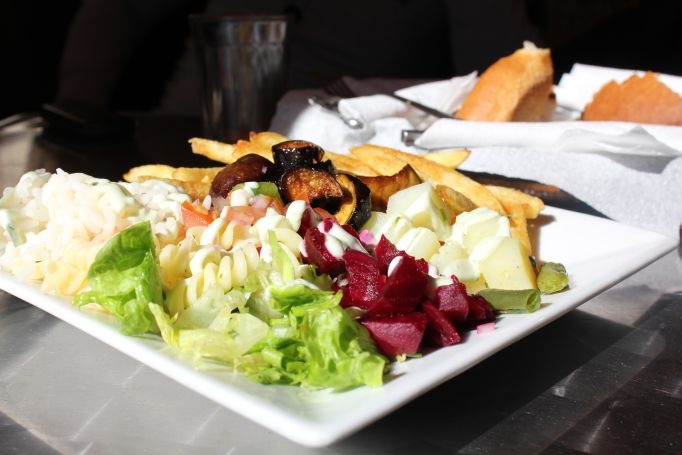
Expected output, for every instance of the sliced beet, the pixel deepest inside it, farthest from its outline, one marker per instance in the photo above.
(440, 331)
(453, 300)
(316, 253)
(364, 279)
(399, 334)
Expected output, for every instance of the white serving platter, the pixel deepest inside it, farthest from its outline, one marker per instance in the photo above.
(597, 253)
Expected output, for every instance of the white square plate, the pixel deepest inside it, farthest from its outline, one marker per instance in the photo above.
(596, 252)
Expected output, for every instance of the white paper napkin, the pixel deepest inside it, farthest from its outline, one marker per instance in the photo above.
(446, 96)
(644, 147)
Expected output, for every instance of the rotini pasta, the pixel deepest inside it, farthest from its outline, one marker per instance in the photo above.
(224, 233)
(210, 267)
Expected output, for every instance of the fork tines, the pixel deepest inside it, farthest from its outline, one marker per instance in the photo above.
(339, 88)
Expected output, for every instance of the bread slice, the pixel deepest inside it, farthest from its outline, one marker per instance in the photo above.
(640, 99)
(517, 87)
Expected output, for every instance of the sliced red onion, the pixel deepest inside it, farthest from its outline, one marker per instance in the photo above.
(367, 237)
(486, 327)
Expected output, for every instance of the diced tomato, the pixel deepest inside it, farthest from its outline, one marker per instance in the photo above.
(245, 214)
(265, 201)
(323, 213)
(195, 215)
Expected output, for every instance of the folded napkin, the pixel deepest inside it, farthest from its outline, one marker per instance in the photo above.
(646, 148)
(446, 96)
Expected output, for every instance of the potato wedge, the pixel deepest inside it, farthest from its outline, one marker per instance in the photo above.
(449, 158)
(382, 187)
(435, 173)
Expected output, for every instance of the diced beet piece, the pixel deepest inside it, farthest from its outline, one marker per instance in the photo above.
(480, 311)
(404, 289)
(351, 230)
(453, 300)
(316, 253)
(342, 285)
(399, 334)
(385, 252)
(440, 331)
(364, 279)
(310, 219)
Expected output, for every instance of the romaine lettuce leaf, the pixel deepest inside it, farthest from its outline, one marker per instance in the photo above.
(124, 279)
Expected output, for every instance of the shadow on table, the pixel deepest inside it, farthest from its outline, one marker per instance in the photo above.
(461, 410)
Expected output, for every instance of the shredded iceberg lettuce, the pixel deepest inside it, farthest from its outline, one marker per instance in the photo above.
(316, 344)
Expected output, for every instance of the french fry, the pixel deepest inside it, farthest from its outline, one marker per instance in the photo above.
(449, 158)
(195, 190)
(163, 171)
(214, 150)
(435, 173)
(266, 139)
(350, 164)
(378, 158)
(518, 224)
(148, 170)
(258, 143)
(531, 205)
(520, 207)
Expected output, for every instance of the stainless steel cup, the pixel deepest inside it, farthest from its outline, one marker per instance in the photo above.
(242, 60)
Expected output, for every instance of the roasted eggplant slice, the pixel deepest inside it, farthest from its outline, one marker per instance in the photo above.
(296, 153)
(356, 206)
(248, 168)
(317, 188)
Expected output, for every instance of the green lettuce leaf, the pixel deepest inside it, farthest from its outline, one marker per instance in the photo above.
(124, 279)
(316, 344)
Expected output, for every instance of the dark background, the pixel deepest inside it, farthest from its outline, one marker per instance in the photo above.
(620, 33)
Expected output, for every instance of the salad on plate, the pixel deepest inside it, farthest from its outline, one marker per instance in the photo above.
(285, 264)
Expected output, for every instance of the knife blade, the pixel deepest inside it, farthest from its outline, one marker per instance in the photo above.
(420, 106)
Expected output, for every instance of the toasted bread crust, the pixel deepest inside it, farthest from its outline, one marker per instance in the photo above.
(640, 99)
(517, 87)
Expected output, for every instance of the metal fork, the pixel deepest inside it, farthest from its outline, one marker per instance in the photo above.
(337, 91)
(339, 88)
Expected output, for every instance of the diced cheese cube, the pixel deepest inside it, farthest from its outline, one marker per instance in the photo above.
(504, 263)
